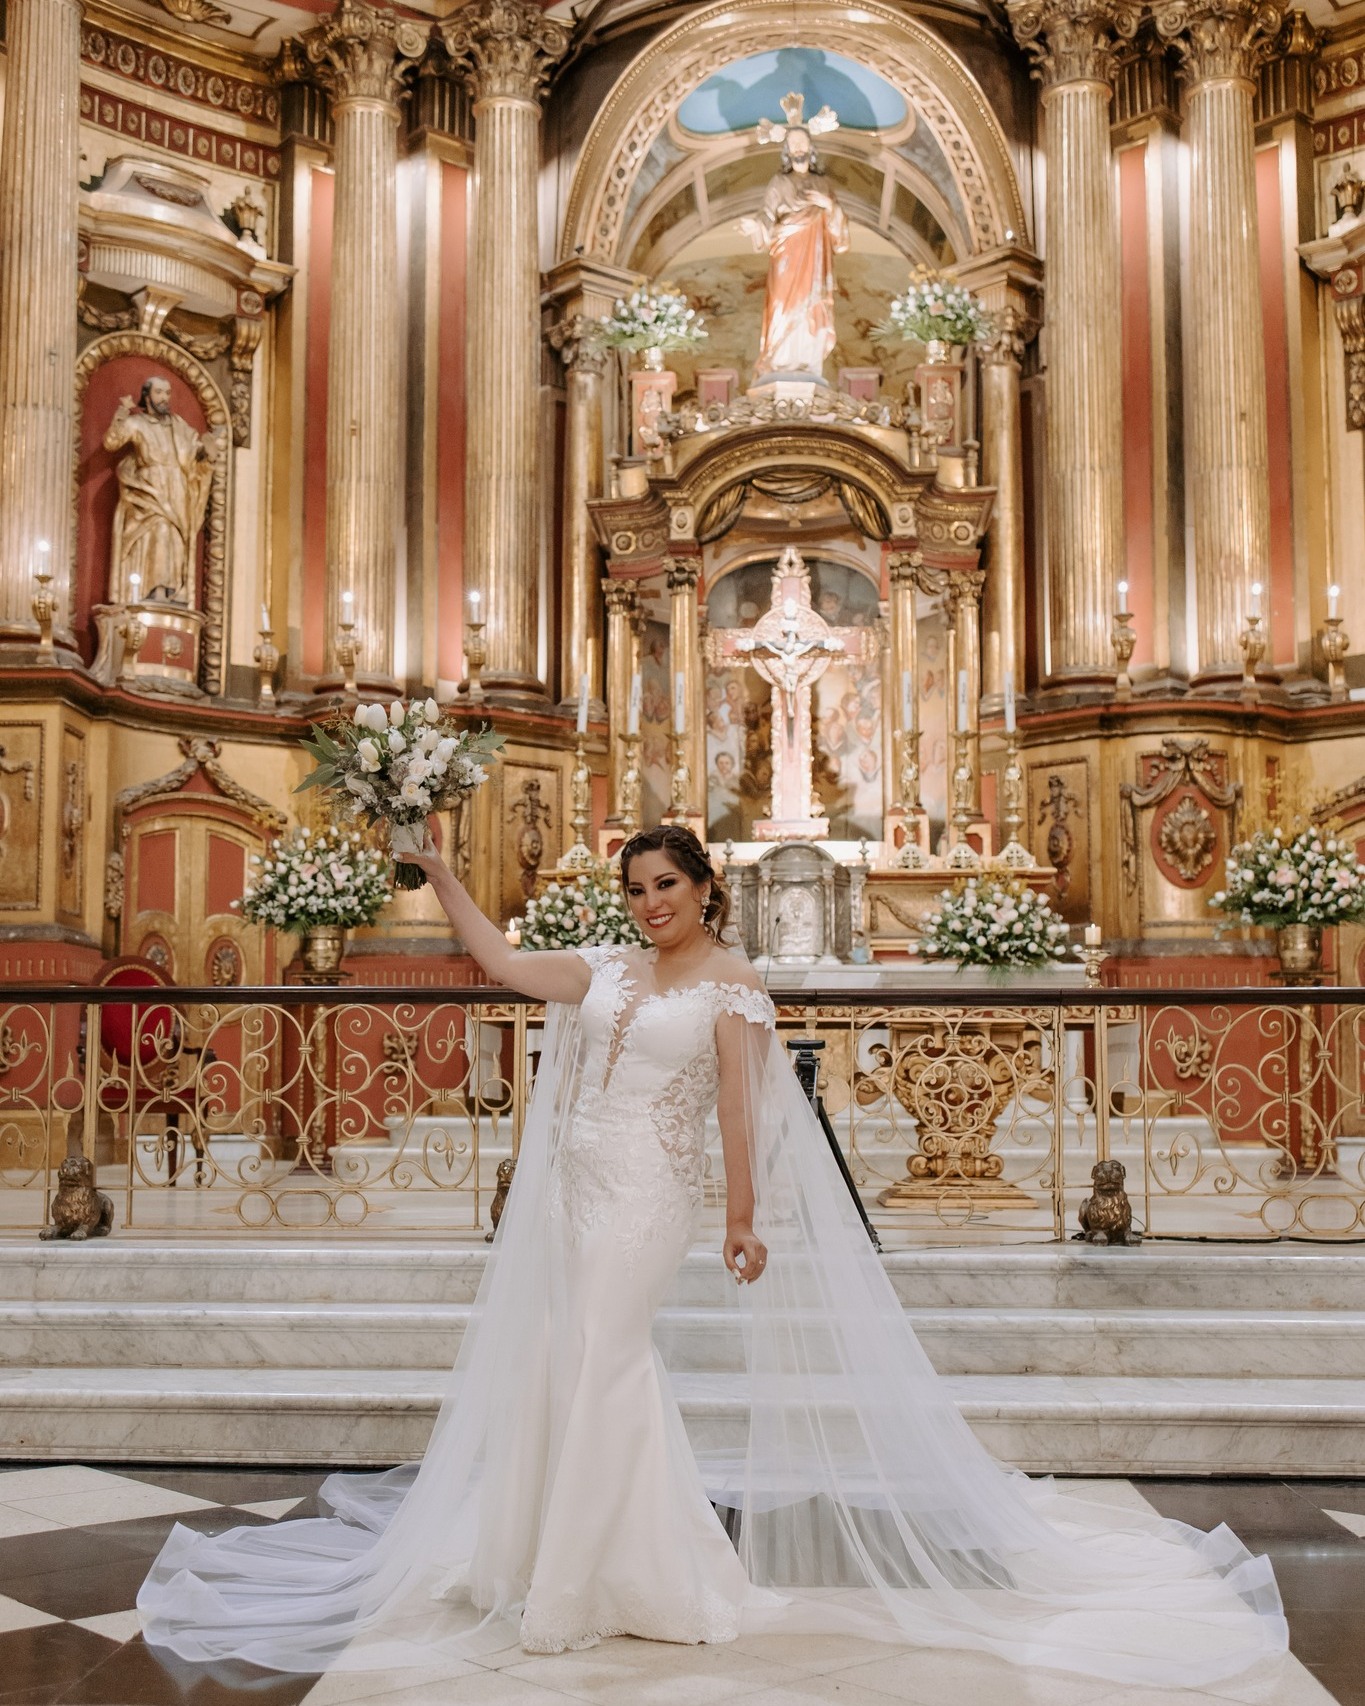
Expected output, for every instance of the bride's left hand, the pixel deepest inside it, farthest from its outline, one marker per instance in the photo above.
(741, 1242)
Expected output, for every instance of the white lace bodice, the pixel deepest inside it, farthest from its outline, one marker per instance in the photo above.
(650, 1076)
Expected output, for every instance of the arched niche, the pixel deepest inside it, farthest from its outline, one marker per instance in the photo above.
(946, 99)
(106, 370)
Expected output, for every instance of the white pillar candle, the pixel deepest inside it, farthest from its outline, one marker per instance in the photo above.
(1009, 701)
(475, 601)
(679, 704)
(347, 604)
(633, 714)
(1123, 598)
(1093, 937)
(961, 700)
(1333, 601)
(1254, 608)
(134, 587)
(907, 701)
(583, 703)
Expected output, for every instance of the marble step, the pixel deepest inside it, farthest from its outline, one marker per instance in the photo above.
(1248, 1344)
(1266, 1277)
(1067, 1424)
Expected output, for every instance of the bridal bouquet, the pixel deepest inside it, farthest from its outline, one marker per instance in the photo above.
(397, 764)
(1308, 878)
(932, 309)
(588, 910)
(993, 921)
(316, 878)
(653, 319)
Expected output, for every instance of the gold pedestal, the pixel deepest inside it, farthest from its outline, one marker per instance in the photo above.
(149, 648)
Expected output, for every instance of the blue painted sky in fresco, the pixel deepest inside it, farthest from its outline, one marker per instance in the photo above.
(751, 89)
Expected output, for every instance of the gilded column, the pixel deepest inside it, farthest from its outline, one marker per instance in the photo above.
(360, 55)
(1071, 42)
(580, 618)
(1002, 466)
(684, 659)
(38, 199)
(1221, 44)
(622, 600)
(507, 49)
(903, 569)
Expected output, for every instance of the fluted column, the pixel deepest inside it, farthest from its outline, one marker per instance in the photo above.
(903, 569)
(360, 55)
(1002, 466)
(580, 610)
(507, 49)
(622, 599)
(38, 199)
(684, 658)
(1071, 42)
(1221, 44)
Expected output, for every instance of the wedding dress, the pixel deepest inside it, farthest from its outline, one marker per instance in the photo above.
(559, 1500)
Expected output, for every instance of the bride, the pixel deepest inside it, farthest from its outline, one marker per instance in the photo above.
(560, 1500)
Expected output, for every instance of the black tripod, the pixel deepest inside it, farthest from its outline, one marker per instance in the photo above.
(807, 1067)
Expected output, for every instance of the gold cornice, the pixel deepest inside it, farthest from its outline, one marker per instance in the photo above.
(99, 14)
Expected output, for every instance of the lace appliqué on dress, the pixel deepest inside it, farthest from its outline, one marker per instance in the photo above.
(755, 1005)
(712, 1618)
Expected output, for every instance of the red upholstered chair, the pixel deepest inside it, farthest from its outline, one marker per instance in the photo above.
(156, 1082)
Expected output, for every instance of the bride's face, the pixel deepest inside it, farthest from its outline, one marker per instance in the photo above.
(663, 900)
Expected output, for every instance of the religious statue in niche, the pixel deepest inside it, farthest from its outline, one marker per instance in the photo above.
(164, 482)
(803, 227)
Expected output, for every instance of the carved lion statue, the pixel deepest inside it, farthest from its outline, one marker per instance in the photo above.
(78, 1209)
(1107, 1217)
(505, 1171)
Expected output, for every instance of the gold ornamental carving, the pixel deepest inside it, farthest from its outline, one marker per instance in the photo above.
(1073, 41)
(506, 49)
(578, 343)
(1187, 837)
(1181, 764)
(21, 815)
(1351, 323)
(362, 52)
(1220, 39)
(1010, 335)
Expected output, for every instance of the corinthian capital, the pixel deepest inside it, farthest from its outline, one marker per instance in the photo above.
(1220, 39)
(506, 48)
(362, 52)
(578, 340)
(1072, 41)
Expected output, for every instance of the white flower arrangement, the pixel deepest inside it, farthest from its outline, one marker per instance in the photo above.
(653, 319)
(313, 878)
(993, 921)
(588, 910)
(932, 308)
(396, 764)
(1308, 878)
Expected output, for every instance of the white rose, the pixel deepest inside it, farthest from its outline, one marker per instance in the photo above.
(445, 749)
(418, 770)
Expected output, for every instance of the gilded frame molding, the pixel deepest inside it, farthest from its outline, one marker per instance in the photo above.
(944, 94)
(217, 414)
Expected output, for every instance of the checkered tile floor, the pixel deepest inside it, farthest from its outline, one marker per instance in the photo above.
(75, 1543)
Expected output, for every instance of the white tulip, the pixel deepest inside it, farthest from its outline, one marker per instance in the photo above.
(396, 712)
(396, 741)
(431, 711)
(376, 719)
(359, 716)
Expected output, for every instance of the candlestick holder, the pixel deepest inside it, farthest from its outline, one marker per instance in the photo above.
(1014, 856)
(266, 657)
(630, 787)
(1335, 644)
(680, 784)
(44, 607)
(962, 856)
(580, 856)
(1123, 639)
(1252, 642)
(908, 742)
(1092, 957)
(475, 657)
(347, 653)
(133, 632)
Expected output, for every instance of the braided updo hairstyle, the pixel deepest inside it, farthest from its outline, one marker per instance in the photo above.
(692, 859)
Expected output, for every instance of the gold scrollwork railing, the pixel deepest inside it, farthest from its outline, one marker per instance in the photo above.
(962, 1114)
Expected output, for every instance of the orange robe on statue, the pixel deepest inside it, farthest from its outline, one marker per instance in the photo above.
(806, 229)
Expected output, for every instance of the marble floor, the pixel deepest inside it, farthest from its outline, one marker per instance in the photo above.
(75, 1542)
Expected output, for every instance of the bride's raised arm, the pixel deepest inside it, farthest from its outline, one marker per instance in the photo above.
(553, 975)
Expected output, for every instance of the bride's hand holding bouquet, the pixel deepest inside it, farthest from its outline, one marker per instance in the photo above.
(396, 764)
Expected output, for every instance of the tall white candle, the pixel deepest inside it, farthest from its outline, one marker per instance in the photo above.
(907, 701)
(475, 601)
(265, 616)
(583, 703)
(1254, 608)
(135, 587)
(1334, 601)
(347, 605)
(1123, 598)
(1009, 701)
(633, 714)
(961, 699)
(679, 703)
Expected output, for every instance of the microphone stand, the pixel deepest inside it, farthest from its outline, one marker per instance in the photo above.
(807, 1067)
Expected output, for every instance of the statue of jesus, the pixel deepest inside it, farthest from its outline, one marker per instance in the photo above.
(803, 227)
(164, 483)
